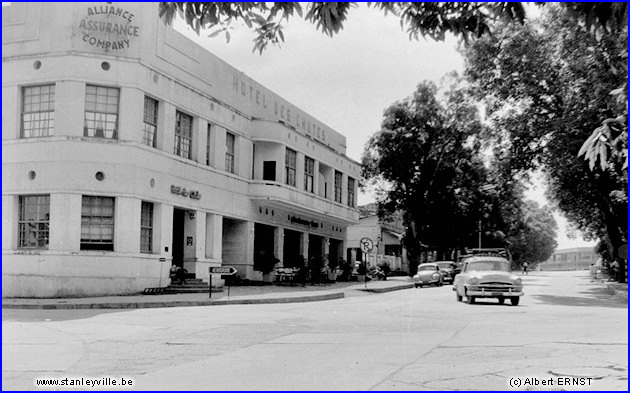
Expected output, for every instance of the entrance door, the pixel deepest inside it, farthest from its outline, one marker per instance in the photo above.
(178, 237)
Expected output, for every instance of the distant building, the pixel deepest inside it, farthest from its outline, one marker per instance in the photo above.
(386, 235)
(579, 258)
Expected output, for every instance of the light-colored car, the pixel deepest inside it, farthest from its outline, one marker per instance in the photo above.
(428, 274)
(487, 277)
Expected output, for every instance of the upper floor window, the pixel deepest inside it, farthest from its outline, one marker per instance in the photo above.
(97, 223)
(290, 164)
(33, 221)
(183, 134)
(351, 201)
(309, 174)
(338, 177)
(230, 142)
(38, 111)
(146, 227)
(101, 112)
(208, 145)
(150, 121)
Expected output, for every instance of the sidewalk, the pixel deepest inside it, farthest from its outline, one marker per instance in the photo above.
(237, 295)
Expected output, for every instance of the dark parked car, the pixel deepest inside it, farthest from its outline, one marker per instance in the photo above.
(447, 268)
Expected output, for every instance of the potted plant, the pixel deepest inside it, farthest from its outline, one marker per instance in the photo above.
(268, 262)
(345, 268)
(332, 270)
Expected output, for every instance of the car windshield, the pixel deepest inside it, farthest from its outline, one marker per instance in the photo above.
(501, 266)
(445, 265)
(427, 267)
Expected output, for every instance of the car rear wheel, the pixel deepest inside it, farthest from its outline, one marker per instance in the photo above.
(417, 285)
(514, 300)
(501, 300)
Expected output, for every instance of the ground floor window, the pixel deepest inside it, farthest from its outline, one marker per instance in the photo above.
(97, 223)
(33, 222)
(146, 227)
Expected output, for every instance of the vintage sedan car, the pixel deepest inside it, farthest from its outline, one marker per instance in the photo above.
(428, 274)
(447, 268)
(487, 277)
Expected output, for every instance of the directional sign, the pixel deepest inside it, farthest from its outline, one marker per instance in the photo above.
(367, 244)
(222, 270)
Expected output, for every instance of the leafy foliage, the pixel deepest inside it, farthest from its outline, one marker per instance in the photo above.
(432, 20)
(547, 88)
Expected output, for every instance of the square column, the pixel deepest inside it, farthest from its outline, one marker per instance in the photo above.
(163, 232)
(10, 105)
(131, 115)
(278, 243)
(304, 245)
(127, 225)
(165, 138)
(9, 222)
(65, 222)
(69, 108)
(214, 237)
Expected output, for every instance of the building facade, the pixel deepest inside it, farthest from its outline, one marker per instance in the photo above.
(127, 148)
(579, 258)
(386, 236)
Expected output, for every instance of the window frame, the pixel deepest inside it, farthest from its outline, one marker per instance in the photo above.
(39, 221)
(180, 147)
(290, 167)
(150, 126)
(351, 195)
(309, 175)
(230, 152)
(100, 220)
(146, 227)
(338, 197)
(87, 131)
(208, 145)
(50, 112)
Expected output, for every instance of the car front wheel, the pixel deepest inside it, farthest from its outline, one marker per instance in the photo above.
(514, 300)
(501, 300)
(470, 299)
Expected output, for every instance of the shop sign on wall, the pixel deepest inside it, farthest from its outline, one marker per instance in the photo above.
(185, 193)
(108, 27)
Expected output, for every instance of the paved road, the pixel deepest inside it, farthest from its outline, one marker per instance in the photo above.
(414, 339)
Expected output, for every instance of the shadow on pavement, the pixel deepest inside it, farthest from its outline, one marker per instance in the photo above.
(16, 315)
(595, 297)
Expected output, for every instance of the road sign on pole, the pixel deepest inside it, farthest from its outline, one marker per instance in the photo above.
(366, 244)
(222, 270)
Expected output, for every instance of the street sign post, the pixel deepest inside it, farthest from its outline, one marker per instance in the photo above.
(367, 245)
(222, 270)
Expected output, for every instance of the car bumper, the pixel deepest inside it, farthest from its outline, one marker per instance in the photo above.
(491, 293)
(430, 281)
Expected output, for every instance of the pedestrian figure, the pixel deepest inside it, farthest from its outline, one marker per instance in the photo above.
(525, 264)
(614, 266)
(593, 271)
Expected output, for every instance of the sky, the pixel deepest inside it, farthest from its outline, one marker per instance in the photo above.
(348, 80)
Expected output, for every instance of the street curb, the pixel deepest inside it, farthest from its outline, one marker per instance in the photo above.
(390, 289)
(135, 305)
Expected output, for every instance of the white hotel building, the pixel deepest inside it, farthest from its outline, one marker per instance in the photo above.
(127, 148)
